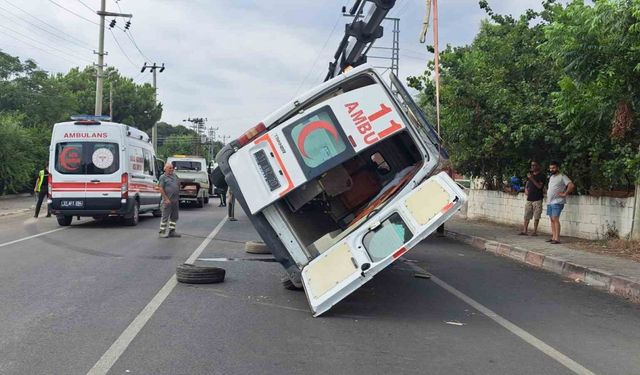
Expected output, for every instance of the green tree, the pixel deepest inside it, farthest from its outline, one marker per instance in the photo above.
(17, 161)
(598, 104)
(496, 112)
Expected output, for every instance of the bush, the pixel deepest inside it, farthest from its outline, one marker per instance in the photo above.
(18, 163)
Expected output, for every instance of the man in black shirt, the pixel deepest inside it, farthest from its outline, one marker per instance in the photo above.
(533, 192)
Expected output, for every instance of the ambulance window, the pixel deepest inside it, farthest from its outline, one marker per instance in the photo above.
(388, 237)
(102, 158)
(148, 163)
(136, 160)
(69, 158)
(318, 139)
(87, 158)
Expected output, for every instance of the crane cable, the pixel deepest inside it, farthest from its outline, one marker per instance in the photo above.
(436, 53)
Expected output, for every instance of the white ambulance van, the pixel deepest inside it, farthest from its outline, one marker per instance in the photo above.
(100, 169)
(341, 182)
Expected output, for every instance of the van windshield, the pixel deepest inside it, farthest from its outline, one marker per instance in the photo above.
(87, 158)
(187, 165)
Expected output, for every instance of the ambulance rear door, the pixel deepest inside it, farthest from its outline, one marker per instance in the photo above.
(377, 242)
(86, 161)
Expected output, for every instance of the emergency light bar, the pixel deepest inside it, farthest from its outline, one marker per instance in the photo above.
(90, 118)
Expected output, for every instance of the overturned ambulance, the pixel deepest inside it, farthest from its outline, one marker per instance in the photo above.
(341, 182)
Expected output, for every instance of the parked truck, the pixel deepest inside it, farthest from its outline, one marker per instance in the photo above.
(193, 178)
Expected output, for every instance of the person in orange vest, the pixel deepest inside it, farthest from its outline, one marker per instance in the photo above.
(42, 189)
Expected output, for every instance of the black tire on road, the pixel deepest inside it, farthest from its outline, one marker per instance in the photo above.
(135, 216)
(192, 274)
(206, 200)
(288, 284)
(200, 202)
(64, 220)
(256, 247)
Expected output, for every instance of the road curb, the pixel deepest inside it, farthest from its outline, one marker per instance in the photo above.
(619, 285)
(15, 212)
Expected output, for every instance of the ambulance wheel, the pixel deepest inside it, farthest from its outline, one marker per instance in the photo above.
(192, 274)
(135, 216)
(200, 202)
(206, 200)
(288, 284)
(64, 220)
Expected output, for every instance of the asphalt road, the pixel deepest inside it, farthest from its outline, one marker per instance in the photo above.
(70, 296)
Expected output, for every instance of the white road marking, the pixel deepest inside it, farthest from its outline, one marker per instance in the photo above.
(118, 347)
(30, 237)
(524, 335)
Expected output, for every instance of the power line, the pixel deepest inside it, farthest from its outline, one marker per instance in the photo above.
(37, 26)
(41, 49)
(53, 48)
(45, 23)
(130, 36)
(74, 13)
(122, 50)
(86, 6)
(319, 54)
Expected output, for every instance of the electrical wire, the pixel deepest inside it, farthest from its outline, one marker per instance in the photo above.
(130, 36)
(43, 29)
(74, 13)
(41, 49)
(86, 6)
(37, 41)
(46, 23)
(319, 54)
(122, 50)
(133, 41)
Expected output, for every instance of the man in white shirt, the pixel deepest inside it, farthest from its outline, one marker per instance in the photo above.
(559, 187)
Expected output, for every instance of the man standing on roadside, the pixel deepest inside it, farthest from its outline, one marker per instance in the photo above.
(232, 205)
(170, 192)
(42, 190)
(559, 187)
(533, 192)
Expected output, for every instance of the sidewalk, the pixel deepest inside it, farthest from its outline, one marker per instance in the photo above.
(616, 275)
(10, 205)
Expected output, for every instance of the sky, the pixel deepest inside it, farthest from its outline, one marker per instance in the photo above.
(230, 61)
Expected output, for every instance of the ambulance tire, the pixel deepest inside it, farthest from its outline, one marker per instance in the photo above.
(135, 216)
(192, 274)
(206, 200)
(256, 247)
(288, 284)
(64, 220)
(200, 202)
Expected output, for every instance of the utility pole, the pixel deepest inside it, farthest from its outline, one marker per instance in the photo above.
(198, 125)
(111, 100)
(154, 68)
(99, 77)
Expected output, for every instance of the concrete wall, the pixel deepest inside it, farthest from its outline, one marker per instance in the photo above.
(583, 216)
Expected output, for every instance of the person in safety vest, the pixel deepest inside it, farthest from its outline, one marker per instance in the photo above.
(170, 191)
(42, 189)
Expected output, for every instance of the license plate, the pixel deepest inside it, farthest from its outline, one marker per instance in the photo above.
(71, 204)
(267, 170)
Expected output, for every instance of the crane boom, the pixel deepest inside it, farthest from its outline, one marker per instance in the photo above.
(359, 35)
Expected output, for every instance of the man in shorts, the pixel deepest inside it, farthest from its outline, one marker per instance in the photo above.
(533, 192)
(559, 187)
